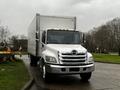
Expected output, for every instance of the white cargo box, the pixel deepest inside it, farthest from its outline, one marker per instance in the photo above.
(56, 22)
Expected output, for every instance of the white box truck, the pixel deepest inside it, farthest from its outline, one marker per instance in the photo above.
(54, 42)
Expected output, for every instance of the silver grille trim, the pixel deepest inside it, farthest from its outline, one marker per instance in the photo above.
(69, 58)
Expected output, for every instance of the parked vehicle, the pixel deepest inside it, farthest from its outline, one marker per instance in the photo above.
(6, 52)
(54, 42)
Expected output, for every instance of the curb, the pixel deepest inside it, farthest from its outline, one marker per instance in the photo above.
(28, 85)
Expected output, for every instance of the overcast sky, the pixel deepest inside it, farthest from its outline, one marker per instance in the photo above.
(17, 14)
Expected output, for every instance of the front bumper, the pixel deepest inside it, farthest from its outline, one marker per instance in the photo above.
(60, 69)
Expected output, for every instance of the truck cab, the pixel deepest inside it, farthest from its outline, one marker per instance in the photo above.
(62, 53)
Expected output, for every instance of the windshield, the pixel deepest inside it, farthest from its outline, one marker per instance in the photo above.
(63, 37)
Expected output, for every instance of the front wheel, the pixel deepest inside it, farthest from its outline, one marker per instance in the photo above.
(45, 75)
(85, 76)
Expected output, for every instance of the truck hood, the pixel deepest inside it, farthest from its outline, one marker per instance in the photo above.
(66, 48)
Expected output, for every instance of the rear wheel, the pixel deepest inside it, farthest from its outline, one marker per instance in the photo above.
(85, 76)
(33, 60)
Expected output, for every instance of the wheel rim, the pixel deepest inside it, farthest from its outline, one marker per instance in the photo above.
(44, 71)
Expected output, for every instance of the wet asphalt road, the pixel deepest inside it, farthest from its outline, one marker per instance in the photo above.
(105, 77)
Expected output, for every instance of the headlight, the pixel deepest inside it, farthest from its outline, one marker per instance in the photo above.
(90, 60)
(50, 59)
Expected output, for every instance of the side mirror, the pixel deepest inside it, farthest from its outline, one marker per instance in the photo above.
(83, 40)
(37, 35)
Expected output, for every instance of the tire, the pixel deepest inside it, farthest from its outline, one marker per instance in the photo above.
(85, 76)
(33, 60)
(45, 75)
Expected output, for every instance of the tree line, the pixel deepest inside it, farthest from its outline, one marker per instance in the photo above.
(105, 38)
(12, 41)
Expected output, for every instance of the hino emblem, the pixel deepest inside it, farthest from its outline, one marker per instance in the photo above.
(74, 52)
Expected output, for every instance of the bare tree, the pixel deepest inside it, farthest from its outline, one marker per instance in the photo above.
(106, 37)
(4, 34)
(90, 41)
(115, 27)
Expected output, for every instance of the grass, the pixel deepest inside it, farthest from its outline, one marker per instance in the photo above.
(107, 58)
(13, 75)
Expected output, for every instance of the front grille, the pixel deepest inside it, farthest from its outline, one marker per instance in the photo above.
(70, 58)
